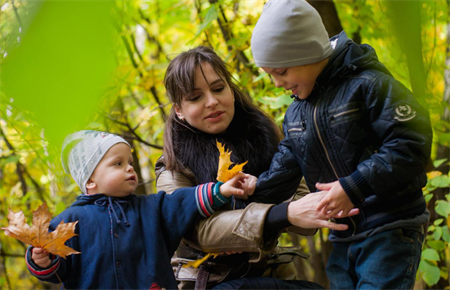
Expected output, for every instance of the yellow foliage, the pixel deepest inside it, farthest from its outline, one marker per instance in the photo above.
(224, 173)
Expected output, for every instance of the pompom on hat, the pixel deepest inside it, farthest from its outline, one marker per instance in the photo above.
(289, 33)
(82, 151)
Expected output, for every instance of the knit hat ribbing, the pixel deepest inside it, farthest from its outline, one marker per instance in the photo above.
(289, 33)
(83, 150)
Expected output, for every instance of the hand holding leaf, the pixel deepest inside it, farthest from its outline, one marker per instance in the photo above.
(38, 235)
(224, 173)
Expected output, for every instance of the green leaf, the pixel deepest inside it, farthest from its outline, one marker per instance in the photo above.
(430, 273)
(279, 102)
(443, 208)
(446, 234)
(437, 163)
(428, 197)
(260, 77)
(430, 255)
(211, 15)
(437, 233)
(442, 181)
(437, 245)
(438, 222)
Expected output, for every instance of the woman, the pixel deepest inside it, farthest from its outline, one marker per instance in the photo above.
(208, 106)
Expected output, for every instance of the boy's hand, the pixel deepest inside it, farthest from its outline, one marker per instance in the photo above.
(302, 213)
(336, 202)
(248, 185)
(41, 257)
(233, 186)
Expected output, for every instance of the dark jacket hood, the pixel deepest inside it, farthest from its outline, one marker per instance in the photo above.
(349, 57)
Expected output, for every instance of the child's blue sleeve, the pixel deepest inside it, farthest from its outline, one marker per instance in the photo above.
(184, 206)
(52, 273)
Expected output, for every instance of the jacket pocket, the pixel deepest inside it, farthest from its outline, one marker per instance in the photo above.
(345, 113)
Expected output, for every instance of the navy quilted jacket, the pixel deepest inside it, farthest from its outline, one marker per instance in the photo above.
(359, 126)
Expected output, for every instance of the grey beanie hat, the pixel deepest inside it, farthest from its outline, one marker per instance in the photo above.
(289, 33)
(83, 150)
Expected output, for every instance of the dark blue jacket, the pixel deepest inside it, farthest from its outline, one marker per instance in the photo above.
(125, 243)
(359, 126)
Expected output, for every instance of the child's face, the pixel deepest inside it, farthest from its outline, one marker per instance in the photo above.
(114, 175)
(211, 107)
(298, 79)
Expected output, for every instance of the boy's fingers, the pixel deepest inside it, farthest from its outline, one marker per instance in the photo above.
(336, 227)
(323, 186)
(353, 211)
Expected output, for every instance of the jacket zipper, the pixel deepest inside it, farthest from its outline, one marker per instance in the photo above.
(326, 152)
(345, 112)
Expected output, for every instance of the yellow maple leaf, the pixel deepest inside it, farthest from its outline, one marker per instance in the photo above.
(195, 264)
(38, 235)
(224, 173)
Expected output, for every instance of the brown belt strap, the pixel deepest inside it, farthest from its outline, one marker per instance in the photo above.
(202, 278)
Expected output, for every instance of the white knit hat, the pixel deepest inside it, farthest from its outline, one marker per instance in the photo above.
(83, 150)
(289, 33)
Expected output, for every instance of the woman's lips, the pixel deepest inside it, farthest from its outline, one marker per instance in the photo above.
(214, 116)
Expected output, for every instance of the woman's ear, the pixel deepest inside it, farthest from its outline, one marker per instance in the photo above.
(178, 112)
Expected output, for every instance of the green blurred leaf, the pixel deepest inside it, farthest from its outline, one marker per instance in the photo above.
(437, 245)
(443, 208)
(442, 181)
(430, 273)
(430, 255)
(62, 65)
(437, 233)
(437, 163)
(446, 234)
(438, 222)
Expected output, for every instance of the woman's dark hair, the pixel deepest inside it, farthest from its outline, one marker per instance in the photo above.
(180, 83)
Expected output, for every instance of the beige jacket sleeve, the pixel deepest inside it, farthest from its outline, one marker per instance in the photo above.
(232, 230)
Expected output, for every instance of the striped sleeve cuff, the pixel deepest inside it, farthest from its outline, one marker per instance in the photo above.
(208, 198)
(356, 187)
(42, 273)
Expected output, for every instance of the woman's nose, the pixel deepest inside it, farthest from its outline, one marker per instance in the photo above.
(211, 100)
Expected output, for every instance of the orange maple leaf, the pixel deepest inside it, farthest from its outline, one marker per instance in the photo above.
(224, 173)
(38, 235)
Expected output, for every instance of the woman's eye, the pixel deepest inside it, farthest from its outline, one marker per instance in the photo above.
(283, 72)
(194, 98)
(218, 90)
(118, 163)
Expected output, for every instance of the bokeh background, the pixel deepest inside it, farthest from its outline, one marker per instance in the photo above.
(67, 65)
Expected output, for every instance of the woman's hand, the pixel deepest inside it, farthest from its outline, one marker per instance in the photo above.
(302, 213)
(41, 257)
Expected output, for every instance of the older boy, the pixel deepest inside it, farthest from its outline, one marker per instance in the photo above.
(354, 132)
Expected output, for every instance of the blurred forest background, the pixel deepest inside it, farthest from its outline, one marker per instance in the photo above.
(72, 65)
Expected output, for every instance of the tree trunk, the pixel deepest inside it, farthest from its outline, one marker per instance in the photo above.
(330, 18)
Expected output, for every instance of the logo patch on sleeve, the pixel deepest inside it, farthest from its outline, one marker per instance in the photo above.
(404, 113)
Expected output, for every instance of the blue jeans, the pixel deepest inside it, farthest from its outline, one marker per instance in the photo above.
(266, 283)
(387, 260)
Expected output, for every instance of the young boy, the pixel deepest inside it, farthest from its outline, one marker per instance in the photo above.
(354, 132)
(126, 241)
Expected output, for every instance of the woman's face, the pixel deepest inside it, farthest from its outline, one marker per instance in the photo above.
(210, 109)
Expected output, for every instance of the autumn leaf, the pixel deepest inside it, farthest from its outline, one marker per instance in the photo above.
(38, 235)
(195, 264)
(224, 173)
